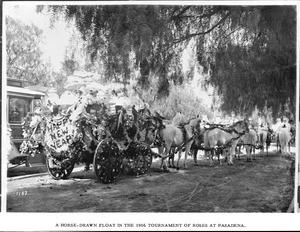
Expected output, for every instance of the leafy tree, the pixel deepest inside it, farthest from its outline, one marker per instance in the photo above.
(24, 56)
(119, 34)
(247, 51)
(180, 99)
(253, 62)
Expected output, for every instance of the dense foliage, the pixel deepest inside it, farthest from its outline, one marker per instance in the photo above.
(256, 64)
(23, 53)
(248, 51)
(25, 59)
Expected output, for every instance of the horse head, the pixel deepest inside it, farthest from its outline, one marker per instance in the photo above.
(196, 125)
(241, 126)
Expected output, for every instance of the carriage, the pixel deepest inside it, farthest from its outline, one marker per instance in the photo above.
(113, 143)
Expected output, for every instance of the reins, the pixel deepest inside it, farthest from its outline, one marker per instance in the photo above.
(252, 145)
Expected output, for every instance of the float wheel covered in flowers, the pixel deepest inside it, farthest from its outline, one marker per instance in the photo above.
(137, 158)
(59, 168)
(107, 161)
(129, 134)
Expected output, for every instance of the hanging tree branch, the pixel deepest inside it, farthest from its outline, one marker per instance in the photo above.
(203, 32)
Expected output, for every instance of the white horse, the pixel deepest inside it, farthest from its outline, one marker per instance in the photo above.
(194, 125)
(264, 137)
(173, 137)
(276, 128)
(284, 139)
(225, 137)
(283, 128)
(250, 139)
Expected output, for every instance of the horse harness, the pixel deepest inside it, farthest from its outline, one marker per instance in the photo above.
(159, 141)
(228, 130)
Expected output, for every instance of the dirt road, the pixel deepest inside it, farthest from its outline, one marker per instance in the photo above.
(264, 185)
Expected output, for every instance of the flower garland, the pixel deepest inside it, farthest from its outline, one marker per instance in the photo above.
(33, 135)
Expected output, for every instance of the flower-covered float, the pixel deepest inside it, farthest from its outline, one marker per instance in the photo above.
(111, 137)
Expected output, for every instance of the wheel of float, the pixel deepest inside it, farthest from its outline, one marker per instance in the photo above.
(107, 161)
(138, 158)
(59, 169)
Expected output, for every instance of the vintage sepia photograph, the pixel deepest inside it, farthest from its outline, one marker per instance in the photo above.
(149, 107)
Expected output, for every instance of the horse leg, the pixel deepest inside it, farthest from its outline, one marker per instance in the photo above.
(263, 143)
(248, 153)
(219, 154)
(278, 144)
(187, 151)
(211, 161)
(252, 153)
(262, 148)
(171, 158)
(195, 152)
(163, 164)
(160, 152)
(231, 154)
(286, 152)
(225, 153)
(179, 156)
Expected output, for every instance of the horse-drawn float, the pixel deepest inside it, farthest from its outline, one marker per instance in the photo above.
(112, 142)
